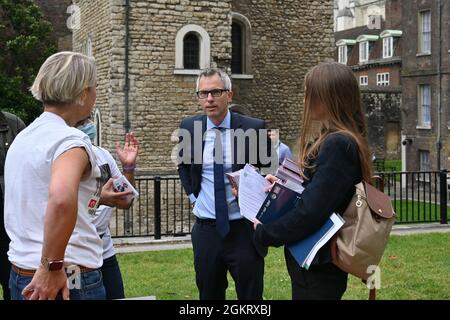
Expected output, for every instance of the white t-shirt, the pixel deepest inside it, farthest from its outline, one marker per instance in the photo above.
(104, 213)
(27, 177)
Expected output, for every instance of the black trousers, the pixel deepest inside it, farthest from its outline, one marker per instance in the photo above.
(5, 266)
(112, 279)
(319, 282)
(214, 257)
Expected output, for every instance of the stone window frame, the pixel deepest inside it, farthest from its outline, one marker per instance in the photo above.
(98, 124)
(420, 104)
(247, 72)
(205, 49)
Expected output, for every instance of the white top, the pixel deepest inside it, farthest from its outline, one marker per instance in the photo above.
(104, 213)
(27, 177)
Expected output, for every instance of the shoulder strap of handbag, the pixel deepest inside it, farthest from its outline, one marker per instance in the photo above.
(378, 182)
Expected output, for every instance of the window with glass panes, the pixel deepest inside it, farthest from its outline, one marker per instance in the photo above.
(191, 51)
(425, 32)
(424, 105)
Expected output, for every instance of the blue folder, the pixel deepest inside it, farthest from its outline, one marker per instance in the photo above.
(281, 200)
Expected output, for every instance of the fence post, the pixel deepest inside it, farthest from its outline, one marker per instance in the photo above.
(444, 195)
(157, 199)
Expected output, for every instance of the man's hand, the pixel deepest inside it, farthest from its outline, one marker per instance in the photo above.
(45, 285)
(109, 197)
(128, 153)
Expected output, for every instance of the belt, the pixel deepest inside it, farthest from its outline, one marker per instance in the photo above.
(212, 222)
(30, 273)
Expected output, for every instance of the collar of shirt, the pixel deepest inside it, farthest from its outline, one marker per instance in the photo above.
(226, 123)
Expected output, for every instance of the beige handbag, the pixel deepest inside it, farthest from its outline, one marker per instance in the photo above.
(359, 245)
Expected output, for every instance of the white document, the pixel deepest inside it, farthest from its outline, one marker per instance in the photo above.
(252, 193)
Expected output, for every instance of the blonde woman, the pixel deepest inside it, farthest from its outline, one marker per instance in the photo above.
(53, 187)
(335, 158)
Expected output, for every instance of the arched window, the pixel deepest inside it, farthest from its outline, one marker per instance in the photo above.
(98, 125)
(191, 51)
(241, 53)
(237, 47)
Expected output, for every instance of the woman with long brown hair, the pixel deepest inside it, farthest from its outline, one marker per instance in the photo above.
(334, 155)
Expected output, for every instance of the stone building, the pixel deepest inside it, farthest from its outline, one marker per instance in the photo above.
(350, 14)
(369, 40)
(150, 52)
(426, 84)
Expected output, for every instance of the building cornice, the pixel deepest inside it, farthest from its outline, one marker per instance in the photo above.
(377, 63)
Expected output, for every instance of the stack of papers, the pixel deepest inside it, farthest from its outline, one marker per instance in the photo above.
(256, 203)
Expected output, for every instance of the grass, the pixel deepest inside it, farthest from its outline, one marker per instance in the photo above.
(413, 267)
(408, 211)
(393, 165)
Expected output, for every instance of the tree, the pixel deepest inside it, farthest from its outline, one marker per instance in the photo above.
(25, 43)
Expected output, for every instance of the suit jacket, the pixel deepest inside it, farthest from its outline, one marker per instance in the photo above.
(191, 173)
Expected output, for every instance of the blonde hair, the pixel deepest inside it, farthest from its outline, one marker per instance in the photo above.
(63, 77)
(334, 87)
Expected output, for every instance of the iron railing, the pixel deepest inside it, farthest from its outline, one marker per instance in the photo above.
(163, 209)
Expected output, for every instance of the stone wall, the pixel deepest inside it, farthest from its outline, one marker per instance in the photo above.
(288, 37)
(96, 25)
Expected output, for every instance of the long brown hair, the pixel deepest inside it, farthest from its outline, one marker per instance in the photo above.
(334, 87)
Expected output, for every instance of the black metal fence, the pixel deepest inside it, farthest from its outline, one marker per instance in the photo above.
(163, 209)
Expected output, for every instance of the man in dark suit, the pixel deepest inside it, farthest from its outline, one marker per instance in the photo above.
(222, 239)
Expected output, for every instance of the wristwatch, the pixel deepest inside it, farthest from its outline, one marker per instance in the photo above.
(52, 265)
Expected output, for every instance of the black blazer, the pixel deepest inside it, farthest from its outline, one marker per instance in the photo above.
(330, 187)
(190, 173)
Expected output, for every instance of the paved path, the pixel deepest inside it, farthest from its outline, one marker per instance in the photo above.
(127, 245)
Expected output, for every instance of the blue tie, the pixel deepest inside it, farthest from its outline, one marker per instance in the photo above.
(221, 205)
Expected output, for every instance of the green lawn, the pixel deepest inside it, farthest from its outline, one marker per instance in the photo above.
(408, 210)
(393, 165)
(413, 267)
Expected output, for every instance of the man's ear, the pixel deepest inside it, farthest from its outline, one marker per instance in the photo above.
(230, 95)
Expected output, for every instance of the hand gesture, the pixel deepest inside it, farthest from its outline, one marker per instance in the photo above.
(128, 153)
